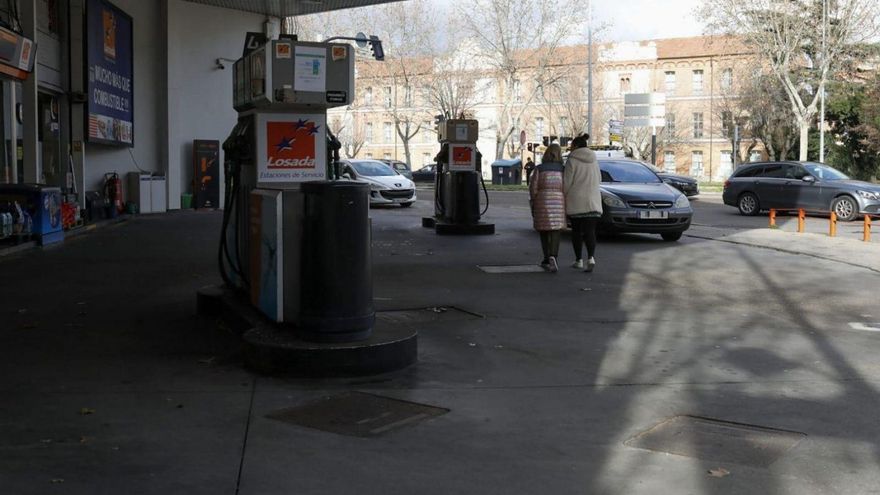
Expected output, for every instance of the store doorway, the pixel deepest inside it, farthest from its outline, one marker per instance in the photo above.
(54, 172)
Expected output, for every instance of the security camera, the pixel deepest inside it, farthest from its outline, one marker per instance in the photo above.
(220, 64)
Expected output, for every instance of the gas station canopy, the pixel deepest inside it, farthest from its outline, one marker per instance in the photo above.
(286, 8)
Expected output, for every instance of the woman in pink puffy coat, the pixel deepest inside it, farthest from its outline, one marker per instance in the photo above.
(548, 204)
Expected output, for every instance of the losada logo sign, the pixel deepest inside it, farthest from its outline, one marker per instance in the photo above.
(291, 145)
(461, 155)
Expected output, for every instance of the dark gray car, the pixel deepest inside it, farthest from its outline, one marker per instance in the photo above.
(793, 185)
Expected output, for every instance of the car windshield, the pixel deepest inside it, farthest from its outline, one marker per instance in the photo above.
(373, 169)
(824, 172)
(627, 172)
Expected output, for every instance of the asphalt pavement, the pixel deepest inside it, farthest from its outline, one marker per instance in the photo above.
(737, 360)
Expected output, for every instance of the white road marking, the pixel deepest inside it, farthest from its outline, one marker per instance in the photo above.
(865, 326)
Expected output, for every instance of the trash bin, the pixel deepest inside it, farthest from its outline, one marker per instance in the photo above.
(507, 171)
(186, 201)
(337, 281)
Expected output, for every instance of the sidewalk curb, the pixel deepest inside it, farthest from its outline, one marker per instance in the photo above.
(70, 234)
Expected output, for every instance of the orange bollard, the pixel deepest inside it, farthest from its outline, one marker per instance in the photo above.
(772, 218)
(802, 216)
(866, 236)
(832, 225)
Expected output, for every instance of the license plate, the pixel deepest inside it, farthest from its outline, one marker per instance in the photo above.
(653, 214)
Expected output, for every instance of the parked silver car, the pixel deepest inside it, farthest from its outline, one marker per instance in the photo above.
(635, 199)
(793, 185)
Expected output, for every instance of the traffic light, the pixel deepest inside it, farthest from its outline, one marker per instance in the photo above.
(530, 146)
(376, 47)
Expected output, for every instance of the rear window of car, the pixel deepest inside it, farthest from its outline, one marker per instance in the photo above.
(773, 171)
(748, 171)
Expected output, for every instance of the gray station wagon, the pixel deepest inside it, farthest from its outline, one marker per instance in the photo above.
(793, 185)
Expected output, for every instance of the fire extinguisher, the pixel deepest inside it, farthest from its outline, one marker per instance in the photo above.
(113, 190)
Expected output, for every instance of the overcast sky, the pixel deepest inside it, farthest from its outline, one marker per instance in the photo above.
(632, 20)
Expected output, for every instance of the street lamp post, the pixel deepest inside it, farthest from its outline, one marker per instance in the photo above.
(822, 89)
(590, 69)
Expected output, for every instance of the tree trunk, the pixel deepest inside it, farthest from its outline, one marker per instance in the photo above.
(805, 139)
(499, 148)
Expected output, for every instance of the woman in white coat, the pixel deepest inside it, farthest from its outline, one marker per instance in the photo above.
(583, 201)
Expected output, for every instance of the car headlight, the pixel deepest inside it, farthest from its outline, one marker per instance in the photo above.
(377, 187)
(682, 202)
(869, 195)
(613, 201)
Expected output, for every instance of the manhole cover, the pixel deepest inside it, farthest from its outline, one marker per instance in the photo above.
(425, 315)
(511, 268)
(716, 440)
(357, 414)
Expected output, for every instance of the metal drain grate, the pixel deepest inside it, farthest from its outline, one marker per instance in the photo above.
(511, 268)
(425, 315)
(716, 440)
(357, 414)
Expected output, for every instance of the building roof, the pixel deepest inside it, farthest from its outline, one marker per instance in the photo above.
(700, 46)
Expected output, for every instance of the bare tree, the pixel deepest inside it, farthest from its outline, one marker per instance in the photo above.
(455, 85)
(789, 36)
(518, 40)
(407, 34)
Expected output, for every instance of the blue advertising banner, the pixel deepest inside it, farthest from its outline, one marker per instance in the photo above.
(110, 56)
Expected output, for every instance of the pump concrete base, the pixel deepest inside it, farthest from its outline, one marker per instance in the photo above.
(271, 349)
(446, 228)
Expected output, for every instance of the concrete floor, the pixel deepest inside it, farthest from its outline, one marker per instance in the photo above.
(111, 383)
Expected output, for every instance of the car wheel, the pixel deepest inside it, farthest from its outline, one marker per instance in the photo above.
(407, 204)
(846, 208)
(748, 204)
(671, 236)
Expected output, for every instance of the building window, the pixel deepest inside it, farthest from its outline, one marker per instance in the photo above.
(625, 83)
(669, 162)
(427, 133)
(407, 96)
(387, 96)
(368, 96)
(386, 131)
(697, 164)
(386, 156)
(369, 156)
(539, 128)
(426, 158)
(563, 126)
(726, 123)
(698, 82)
(698, 125)
(726, 78)
(669, 81)
(368, 132)
(670, 126)
(517, 90)
(755, 156)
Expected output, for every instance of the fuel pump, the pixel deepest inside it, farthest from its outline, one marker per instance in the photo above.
(285, 215)
(457, 181)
